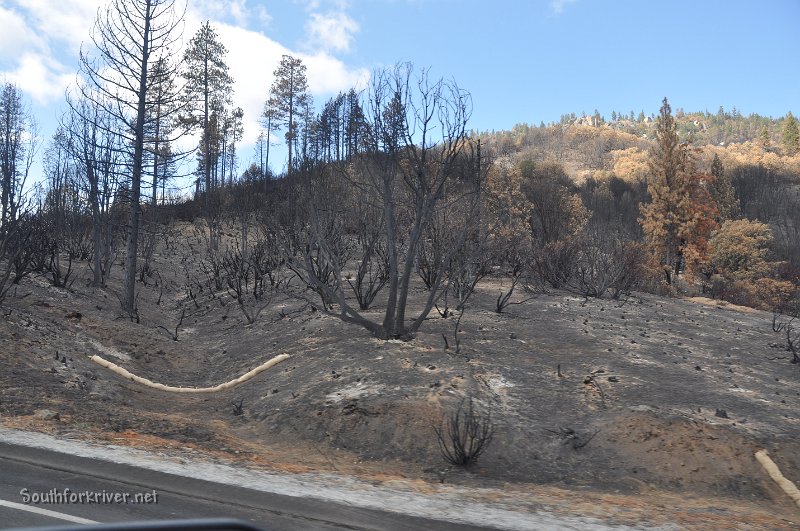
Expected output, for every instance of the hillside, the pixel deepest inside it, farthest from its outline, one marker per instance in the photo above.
(590, 146)
(639, 405)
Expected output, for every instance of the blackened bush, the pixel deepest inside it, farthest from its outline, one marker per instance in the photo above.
(465, 434)
(555, 262)
(245, 282)
(594, 263)
(7, 251)
(607, 264)
(28, 247)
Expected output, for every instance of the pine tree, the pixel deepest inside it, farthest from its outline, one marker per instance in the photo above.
(265, 140)
(159, 123)
(394, 115)
(722, 191)
(791, 135)
(357, 130)
(289, 99)
(208, 89)
(236, 127)
(666, 218)
(764, 137)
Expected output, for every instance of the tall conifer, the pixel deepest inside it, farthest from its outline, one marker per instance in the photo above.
(289, 99)
(664, 217)
(208, 88)
(791, 135)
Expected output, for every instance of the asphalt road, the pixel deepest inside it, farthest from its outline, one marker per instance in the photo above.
(27, 473)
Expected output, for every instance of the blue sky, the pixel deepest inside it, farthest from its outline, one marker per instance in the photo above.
(523, 61)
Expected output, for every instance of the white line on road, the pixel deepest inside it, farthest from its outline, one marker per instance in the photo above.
(47, 512)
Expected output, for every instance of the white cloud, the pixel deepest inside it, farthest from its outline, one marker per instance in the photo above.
(235, 11)
(41, 77)
(328, 75)
(558, 5)
(39, 41)
(263, 16)
(16, 35)
(252, 59)
(331, 32)
(312, 5)
(63, 21)
(36, 35)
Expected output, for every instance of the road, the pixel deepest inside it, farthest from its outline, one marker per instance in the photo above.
(29, 472)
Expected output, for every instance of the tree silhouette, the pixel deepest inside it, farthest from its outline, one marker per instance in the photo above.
(288, 101)
(129, 37)
(208, 89)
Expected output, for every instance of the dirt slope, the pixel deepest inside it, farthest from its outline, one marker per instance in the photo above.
(681, 393)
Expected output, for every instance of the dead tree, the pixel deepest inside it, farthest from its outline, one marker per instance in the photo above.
(466, 269)
(26, 246)
(244, 284)
(782, 324)
(130, 36)
(96, 154)
(372, 273)
(12, 245)
(432, 249)
(18, 144)
(513, 257)
(318, 246)
(420, 161)
(66, 225)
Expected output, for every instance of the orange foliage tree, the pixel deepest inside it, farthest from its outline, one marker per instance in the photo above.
(741, 270)
(701, 222)
(679, 219)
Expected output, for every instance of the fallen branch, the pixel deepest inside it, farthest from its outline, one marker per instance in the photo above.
(590, 380)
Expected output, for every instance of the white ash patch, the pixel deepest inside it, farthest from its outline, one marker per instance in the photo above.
(354, 391)
(498, 384)
(108, 351)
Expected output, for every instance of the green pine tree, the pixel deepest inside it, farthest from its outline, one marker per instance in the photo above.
(791, 135)
(722, 191)
(289, 100)
(208, 89)
(764, 137)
